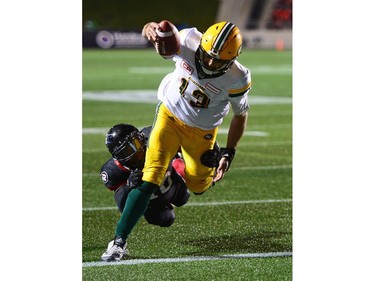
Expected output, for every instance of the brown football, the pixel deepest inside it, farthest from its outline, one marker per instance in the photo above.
(168, 41)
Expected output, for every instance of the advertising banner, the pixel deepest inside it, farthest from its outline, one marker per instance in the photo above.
(106, 39)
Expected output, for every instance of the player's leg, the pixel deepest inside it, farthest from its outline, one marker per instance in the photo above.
(162, 146)
(178, 189)
(198, 176)
(135, 206)
(160, 215)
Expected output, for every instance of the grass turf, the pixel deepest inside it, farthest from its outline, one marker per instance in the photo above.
(262, 170)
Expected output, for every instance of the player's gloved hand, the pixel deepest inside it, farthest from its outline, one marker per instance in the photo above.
(135, 178)
(229, 154)
(226, 157)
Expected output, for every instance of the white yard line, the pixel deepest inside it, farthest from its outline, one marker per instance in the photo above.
(222, 131)
(275, 167)
(188, 259)
(150, 96)
(255, 69)
(200, 204)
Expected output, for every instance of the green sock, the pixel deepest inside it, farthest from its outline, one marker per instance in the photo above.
(135, 206)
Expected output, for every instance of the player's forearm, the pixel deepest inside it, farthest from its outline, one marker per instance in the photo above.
(236, 130)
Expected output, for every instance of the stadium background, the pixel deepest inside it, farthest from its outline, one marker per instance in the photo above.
(332, 169)
(117, 25)
(263, 23)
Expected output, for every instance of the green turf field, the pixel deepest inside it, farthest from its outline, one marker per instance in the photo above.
(241, 229)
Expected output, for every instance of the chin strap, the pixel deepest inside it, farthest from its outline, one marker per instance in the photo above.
(201, 73)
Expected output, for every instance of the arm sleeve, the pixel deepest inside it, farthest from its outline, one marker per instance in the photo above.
(238, 94)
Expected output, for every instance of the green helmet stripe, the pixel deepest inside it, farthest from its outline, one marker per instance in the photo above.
(223, 35)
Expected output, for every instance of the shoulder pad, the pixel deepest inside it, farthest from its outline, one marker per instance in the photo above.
(113, 176)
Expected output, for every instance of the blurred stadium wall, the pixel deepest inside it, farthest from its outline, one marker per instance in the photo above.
(265, 24)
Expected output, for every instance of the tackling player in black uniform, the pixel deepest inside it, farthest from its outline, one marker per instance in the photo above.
(123, 172)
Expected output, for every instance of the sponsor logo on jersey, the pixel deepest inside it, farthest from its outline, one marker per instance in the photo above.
(212, 88)
(187, 67)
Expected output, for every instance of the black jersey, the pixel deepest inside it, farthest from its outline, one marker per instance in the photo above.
(173, 190)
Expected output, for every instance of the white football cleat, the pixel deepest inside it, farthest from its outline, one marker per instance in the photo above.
(116, 250)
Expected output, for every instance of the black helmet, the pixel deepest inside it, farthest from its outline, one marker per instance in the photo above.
(127, 145)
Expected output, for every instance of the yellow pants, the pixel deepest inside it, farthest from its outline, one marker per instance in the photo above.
(167, 136)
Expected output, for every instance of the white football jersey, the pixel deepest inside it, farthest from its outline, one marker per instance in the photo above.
(203, 103)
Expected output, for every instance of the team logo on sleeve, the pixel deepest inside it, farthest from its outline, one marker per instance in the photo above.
(104, 176)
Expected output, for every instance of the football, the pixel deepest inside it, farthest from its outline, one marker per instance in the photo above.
(168, 42)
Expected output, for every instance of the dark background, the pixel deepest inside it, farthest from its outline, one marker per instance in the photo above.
(132, 15)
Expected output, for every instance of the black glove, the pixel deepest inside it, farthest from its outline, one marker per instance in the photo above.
(135, 178)
(228, 153)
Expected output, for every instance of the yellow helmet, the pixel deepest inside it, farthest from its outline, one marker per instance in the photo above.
(219, 47)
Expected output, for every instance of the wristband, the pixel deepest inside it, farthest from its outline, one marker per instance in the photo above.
(229, 154)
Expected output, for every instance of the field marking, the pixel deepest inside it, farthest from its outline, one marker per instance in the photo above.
(275, 167)
(150, 70)
(200, 204)
(250, 143)
(255, 69)
(267, 69)
(150, 96)
(188, 259)
(238, 202)
(222, 131)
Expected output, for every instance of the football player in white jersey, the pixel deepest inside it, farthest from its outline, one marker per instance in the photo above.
(207, 81)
